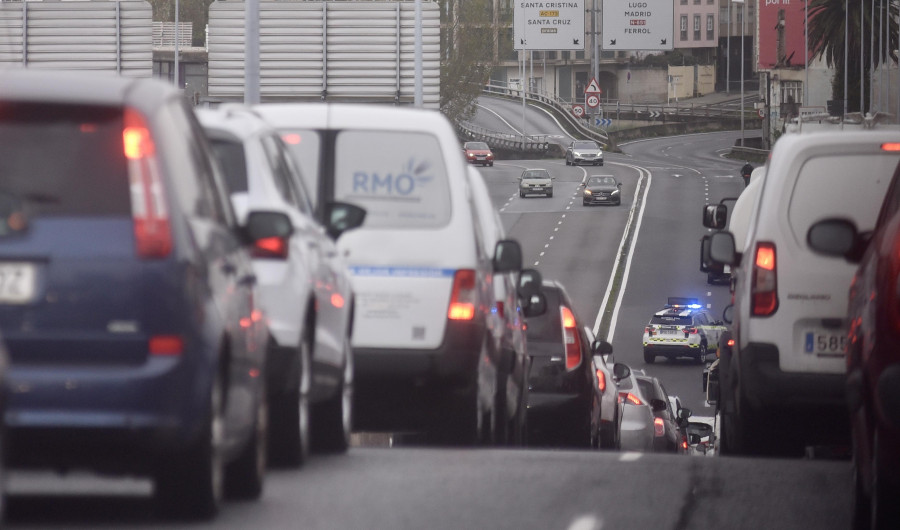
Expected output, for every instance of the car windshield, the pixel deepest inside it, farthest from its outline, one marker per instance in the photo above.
(601, 181)
(477, 146)
(536, 174)
(586, 145)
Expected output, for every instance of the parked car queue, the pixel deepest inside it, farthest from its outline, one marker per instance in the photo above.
(186, 298)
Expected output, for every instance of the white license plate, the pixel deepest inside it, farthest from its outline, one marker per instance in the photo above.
(17, 282)
(668, 332)
(825, 342)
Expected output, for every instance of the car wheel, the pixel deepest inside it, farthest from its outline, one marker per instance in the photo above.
(522, 194)
(567, 162)
(885, 511)
(549, 194)
(601, 162)
(619, 202)
(190, 485)
(584, 203)
(331, 419)
(289, 439)
(649, 358)
(701, 355)
(491, 164)
(245, 476)
(608, 439)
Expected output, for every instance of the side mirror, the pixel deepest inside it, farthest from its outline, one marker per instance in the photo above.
(833, 237)
(601, 347)
(621, 371)
(685, 413)
(722, 250)
(694, 439)
(715, 216)
(530, 281)
(619, 185)
(535, 305)
(657, 405)
(342, 216)
(728, 314)
(704, 254)
(507, 256)
(12, 215)
(265, 224)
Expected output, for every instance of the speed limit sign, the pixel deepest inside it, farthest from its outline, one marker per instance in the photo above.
(761, 113)
(593, 100)
(578, 110)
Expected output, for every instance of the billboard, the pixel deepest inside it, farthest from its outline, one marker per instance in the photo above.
(781, 28)
(638, 25)
(548, 25)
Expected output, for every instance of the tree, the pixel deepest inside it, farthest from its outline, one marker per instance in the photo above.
(826, 34)
(468, 30)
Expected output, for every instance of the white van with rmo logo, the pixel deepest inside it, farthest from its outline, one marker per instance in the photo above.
(425, 354)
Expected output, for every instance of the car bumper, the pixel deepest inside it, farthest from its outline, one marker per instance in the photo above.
(596, 199)
(597, 161)
(397, 388)
(536, 191)
(766, 385)
(104, 418)
(672, 350)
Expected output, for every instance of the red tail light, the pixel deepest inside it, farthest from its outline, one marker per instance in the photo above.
(659, 427)
(601, 380)
(570, 338)
(462, 299)
(730, 342)
(270, 248)
(165, 345)
(649, 331)
(691, 331)
(629, 399)
(152, 232)
(684, 444)
(764, 299)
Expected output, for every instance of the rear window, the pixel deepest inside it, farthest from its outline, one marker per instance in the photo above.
(399, 178)
(233, 163)
(546, 327)
(671, 320)
(647, 389)
(64, 159)
(846, 186)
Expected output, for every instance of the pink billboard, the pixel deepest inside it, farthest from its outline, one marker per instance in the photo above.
(781, 33)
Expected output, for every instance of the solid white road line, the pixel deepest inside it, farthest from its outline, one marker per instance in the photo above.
(586, 522)
(630, 456)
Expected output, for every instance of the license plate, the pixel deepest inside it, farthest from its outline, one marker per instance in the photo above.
(825, 342)
(17, 282)
(668, 332)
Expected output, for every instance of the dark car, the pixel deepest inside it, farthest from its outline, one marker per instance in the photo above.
(873, 355)
(478, 153)
(668, 436)
(601, 189)
(128, 307)
(564, 395)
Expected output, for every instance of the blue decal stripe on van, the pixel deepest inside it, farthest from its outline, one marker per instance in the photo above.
(403, 272)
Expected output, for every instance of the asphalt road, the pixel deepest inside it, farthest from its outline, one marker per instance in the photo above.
(409, 487)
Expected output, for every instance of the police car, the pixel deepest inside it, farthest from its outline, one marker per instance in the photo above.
(681, 329)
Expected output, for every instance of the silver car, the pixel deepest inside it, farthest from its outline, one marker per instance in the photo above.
(584, 152)
(536, 181)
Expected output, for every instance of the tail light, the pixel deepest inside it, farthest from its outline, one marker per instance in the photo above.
(629, 399)
(764, 294)
(684, 443)
(462, 299)
(691, 331)
(601, 381)
(659, 427)
(730, 343)
(152, 232)
(649, 331)
(270, 248)
(165, 345)
(570, 338)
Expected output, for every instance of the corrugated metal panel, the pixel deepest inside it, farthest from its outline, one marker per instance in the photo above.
(337, 51)
(112, 36)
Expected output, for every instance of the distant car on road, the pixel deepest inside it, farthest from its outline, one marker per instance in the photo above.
(536, 181)
(478, 153)
(682, 328)
(601, 189)
(584, 152)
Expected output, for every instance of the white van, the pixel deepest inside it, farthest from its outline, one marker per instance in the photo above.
(424, 353)
(786, 373)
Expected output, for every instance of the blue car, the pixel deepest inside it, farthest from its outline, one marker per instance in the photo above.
(126, 291)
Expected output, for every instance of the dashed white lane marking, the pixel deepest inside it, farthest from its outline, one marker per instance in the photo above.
(586, 522)
(536, 263)
(551, 238)
(547, 245)
(542, 254)
(630, 456)
(557, 229)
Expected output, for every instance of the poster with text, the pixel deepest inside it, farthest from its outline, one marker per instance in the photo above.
(549, 25)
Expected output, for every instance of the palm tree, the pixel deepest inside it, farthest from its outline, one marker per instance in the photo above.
(826, 36)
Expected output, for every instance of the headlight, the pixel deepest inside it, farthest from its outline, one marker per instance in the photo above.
(490, 155)
(577, 154)
(470, 155)
(588, 192)
(614, 192)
